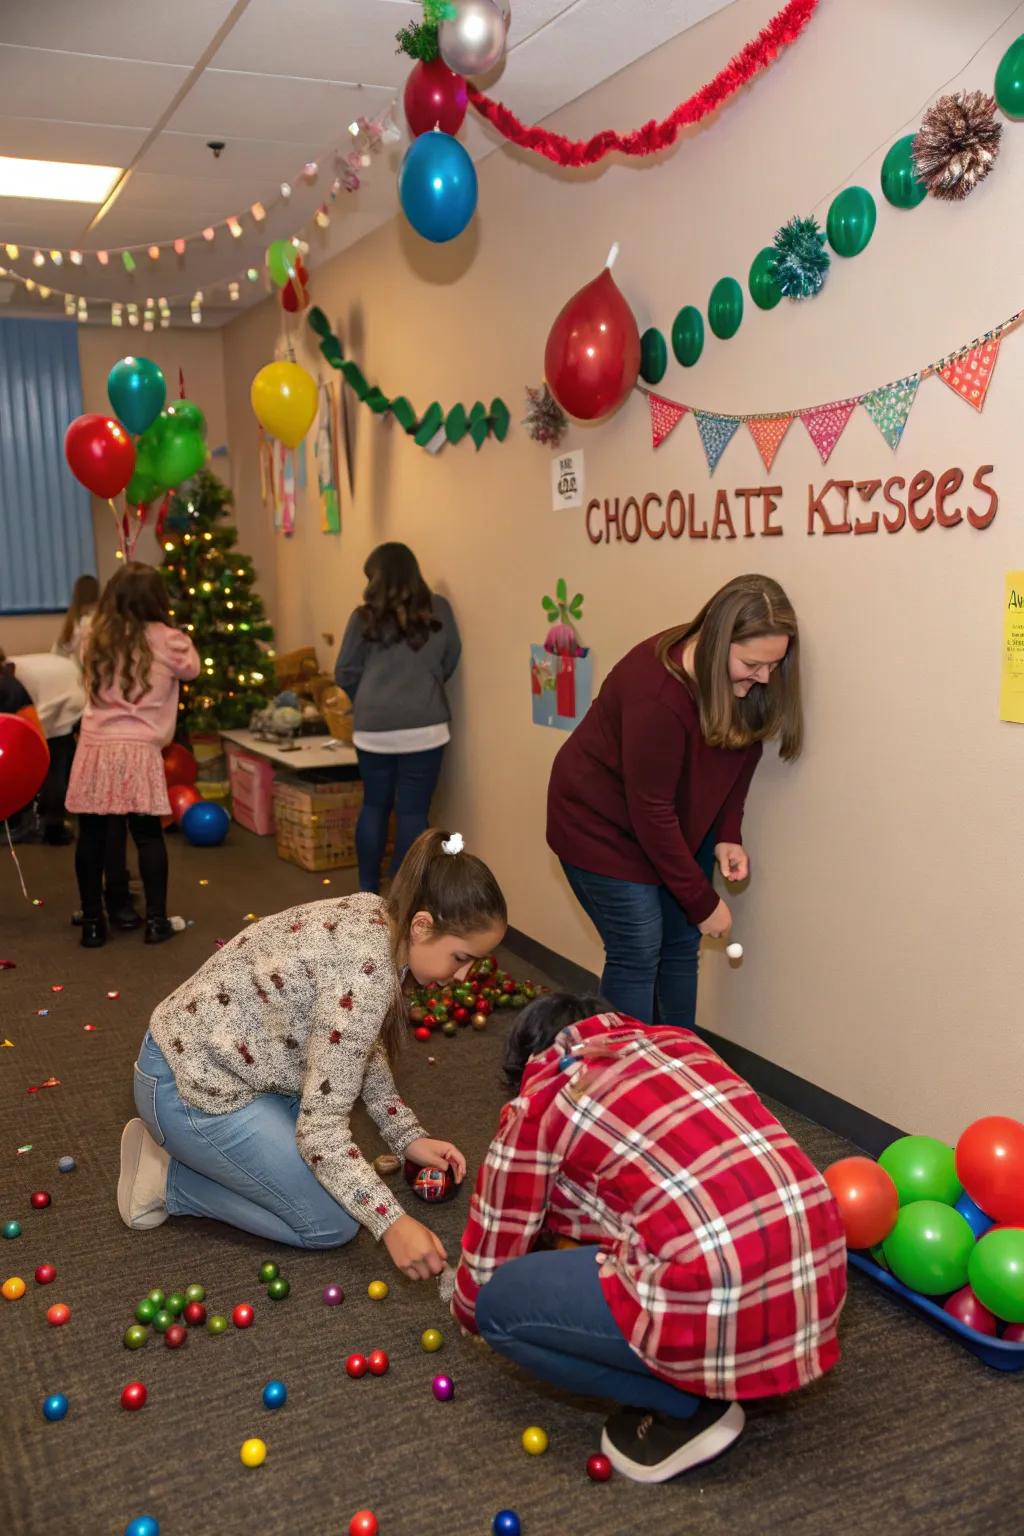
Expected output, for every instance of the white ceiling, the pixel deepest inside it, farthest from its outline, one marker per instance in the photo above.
(87, 80)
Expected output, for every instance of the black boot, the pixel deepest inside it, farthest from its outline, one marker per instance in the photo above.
(158, 930)
(124, 916)
(94, 932)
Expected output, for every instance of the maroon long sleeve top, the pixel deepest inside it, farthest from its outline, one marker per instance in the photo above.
(636, 789)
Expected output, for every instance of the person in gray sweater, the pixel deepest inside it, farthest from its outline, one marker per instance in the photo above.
(399, 650)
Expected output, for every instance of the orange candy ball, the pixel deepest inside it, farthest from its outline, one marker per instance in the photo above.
(58, 1314)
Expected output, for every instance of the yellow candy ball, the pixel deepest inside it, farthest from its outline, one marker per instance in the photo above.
(14, 1288)
(535, 1441)
(432, 1340)
(377, 1290)
(253, 1453)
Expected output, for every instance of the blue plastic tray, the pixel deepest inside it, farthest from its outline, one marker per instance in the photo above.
(1000, 1354)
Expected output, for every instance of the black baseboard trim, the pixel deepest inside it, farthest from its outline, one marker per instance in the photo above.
(865, 1130)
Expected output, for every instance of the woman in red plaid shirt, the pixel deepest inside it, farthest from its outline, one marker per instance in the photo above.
(720, 1270)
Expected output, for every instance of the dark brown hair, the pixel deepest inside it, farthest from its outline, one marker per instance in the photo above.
(84, 597)
(117, 649)
(746, 608)
(397, 601)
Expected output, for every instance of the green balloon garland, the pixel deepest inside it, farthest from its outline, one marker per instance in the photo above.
(851, 221)
(1009, 86)
(899, 177)
(725, 308)
(688, 335)
(763, 279)
(653, 356)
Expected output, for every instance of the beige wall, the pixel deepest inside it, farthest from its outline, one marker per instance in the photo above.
(882, 925)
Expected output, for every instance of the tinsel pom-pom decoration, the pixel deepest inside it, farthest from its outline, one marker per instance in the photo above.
(957, 144)
(803, 260)
(545, 421)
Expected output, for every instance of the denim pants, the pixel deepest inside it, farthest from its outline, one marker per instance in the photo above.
(399, 781)
(651, 949)
(547, 1312)
(242, 1168)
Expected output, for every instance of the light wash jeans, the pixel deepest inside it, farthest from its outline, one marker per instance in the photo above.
(242, 1168)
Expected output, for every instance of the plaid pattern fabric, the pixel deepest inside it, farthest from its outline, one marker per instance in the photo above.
(721, 1251)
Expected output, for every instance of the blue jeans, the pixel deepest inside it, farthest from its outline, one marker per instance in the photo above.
(404, 782)
(651, 949)
(242, 1168)
(547, 1312)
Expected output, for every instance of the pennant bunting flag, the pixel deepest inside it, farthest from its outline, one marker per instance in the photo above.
(825, 425)
(768, 432)
(890, 406)
(970, 375)
(716, 433)
(665, 415)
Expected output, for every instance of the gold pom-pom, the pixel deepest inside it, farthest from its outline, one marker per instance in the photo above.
(957, 144)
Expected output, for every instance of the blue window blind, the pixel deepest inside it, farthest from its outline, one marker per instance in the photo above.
(46, 533)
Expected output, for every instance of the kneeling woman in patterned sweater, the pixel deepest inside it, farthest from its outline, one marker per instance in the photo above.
(247, 1076)
(720, 1267)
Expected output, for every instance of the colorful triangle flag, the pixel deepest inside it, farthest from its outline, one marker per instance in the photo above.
(716, 433)
(970, 375)
(825, 425)
(665, 415)
(768, 432)
(890, 406)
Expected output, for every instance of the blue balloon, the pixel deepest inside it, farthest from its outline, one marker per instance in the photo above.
(506, 1523)
(205, 824)
(55, 1407)
(144, 1525)
(437, 186)
(975, 1217)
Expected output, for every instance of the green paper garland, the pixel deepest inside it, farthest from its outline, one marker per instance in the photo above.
(479, 423)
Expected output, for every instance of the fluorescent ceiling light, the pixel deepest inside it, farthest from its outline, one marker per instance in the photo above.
(59, 181)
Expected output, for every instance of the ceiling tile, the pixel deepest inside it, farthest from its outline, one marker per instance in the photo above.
(309, 113)
(37, 82)
(155, 33)
(320, 39)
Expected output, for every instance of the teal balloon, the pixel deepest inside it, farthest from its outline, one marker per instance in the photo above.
(653, 356)
(688, 335)
(899, 177)
(725, 308)
(180, 454)
(996, 1273)
(929, 1248)
(851, 221)
(137, 390)
(1009, 88)
(762, 281)
(141, 490)
(922, 1168)
(187, 414)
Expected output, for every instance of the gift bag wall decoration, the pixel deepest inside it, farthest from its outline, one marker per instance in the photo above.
(561, 670)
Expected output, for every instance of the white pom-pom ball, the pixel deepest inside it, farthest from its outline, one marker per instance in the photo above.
(734, 951)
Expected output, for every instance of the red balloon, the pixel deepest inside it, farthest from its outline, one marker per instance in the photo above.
(295, 293)
(990, 1166)
(592, 357)
(867, 1200)
(1013, 1333)
(180, 767)
(181, 797)
(435, 97)
(966, 1308)
(100, 454)
(24, 760)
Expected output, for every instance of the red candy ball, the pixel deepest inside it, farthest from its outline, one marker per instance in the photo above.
(58, 1314)
(175, 1336)
(378, 1362)
(133, 1396)
(45, 1273)
(243, 1315)
(599, 1468)
(363, 1523)
(357, 1365)
(40, 1200)
(194, 1313)
(422, 1033)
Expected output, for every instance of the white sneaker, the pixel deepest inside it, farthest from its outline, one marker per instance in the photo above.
(142, 1186)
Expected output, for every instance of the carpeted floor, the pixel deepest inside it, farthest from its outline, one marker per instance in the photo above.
(910, 1435)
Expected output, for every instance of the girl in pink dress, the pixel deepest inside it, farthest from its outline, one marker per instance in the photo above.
(133, 662)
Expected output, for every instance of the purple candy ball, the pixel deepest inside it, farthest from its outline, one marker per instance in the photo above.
(333, 1295)
(443, 1388)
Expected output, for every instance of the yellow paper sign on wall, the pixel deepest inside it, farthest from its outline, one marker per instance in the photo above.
(1011, 693)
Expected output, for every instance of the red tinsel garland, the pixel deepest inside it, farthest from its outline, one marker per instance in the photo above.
(761, 51)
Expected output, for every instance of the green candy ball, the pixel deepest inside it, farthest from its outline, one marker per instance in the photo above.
(216, 1324)
(135, 1337)
(146, 1310)
(162, 1320)
(175, 1303)
(449, 1027)
(157, 1298)
(922, 1168)
(929, 1248)
(278, 1288)
(195, 1293)
(268, 1271)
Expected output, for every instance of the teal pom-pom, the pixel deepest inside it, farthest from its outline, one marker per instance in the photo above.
(803, 260)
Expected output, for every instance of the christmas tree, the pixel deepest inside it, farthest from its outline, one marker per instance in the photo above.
(211, 587)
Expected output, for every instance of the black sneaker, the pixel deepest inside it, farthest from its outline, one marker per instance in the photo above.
(158, 930)
(94, 932)
(652, 1447)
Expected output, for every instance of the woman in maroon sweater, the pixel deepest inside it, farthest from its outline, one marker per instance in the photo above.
(648, 792)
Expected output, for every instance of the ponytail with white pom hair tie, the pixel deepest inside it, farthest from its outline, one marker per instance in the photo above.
(454, 844)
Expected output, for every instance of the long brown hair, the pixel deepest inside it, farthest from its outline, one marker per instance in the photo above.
(397, 601)
(746, 608)
(117, 650)
(457, 891)
(84, 597)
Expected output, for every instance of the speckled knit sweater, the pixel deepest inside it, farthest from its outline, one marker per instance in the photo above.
(295, 1005)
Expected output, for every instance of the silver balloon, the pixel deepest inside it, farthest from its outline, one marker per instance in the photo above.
(474, 40)
(505, 7)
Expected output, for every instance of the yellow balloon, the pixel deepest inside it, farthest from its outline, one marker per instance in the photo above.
(284, 398)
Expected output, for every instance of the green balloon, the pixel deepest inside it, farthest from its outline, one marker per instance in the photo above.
(899, 176)
(653, 356)
(725, 308)
(851, 221)
(996, 1273)
(1009, 88)
(187, 414)
(688, 336)
(281, 256)
(180, 454)
(922, 1169)
(762, 282)
(930, 1247)
(141, 490)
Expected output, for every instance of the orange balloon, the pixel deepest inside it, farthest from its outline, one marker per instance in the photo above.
(867, 1200)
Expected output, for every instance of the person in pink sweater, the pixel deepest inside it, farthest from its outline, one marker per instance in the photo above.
(133, 662)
